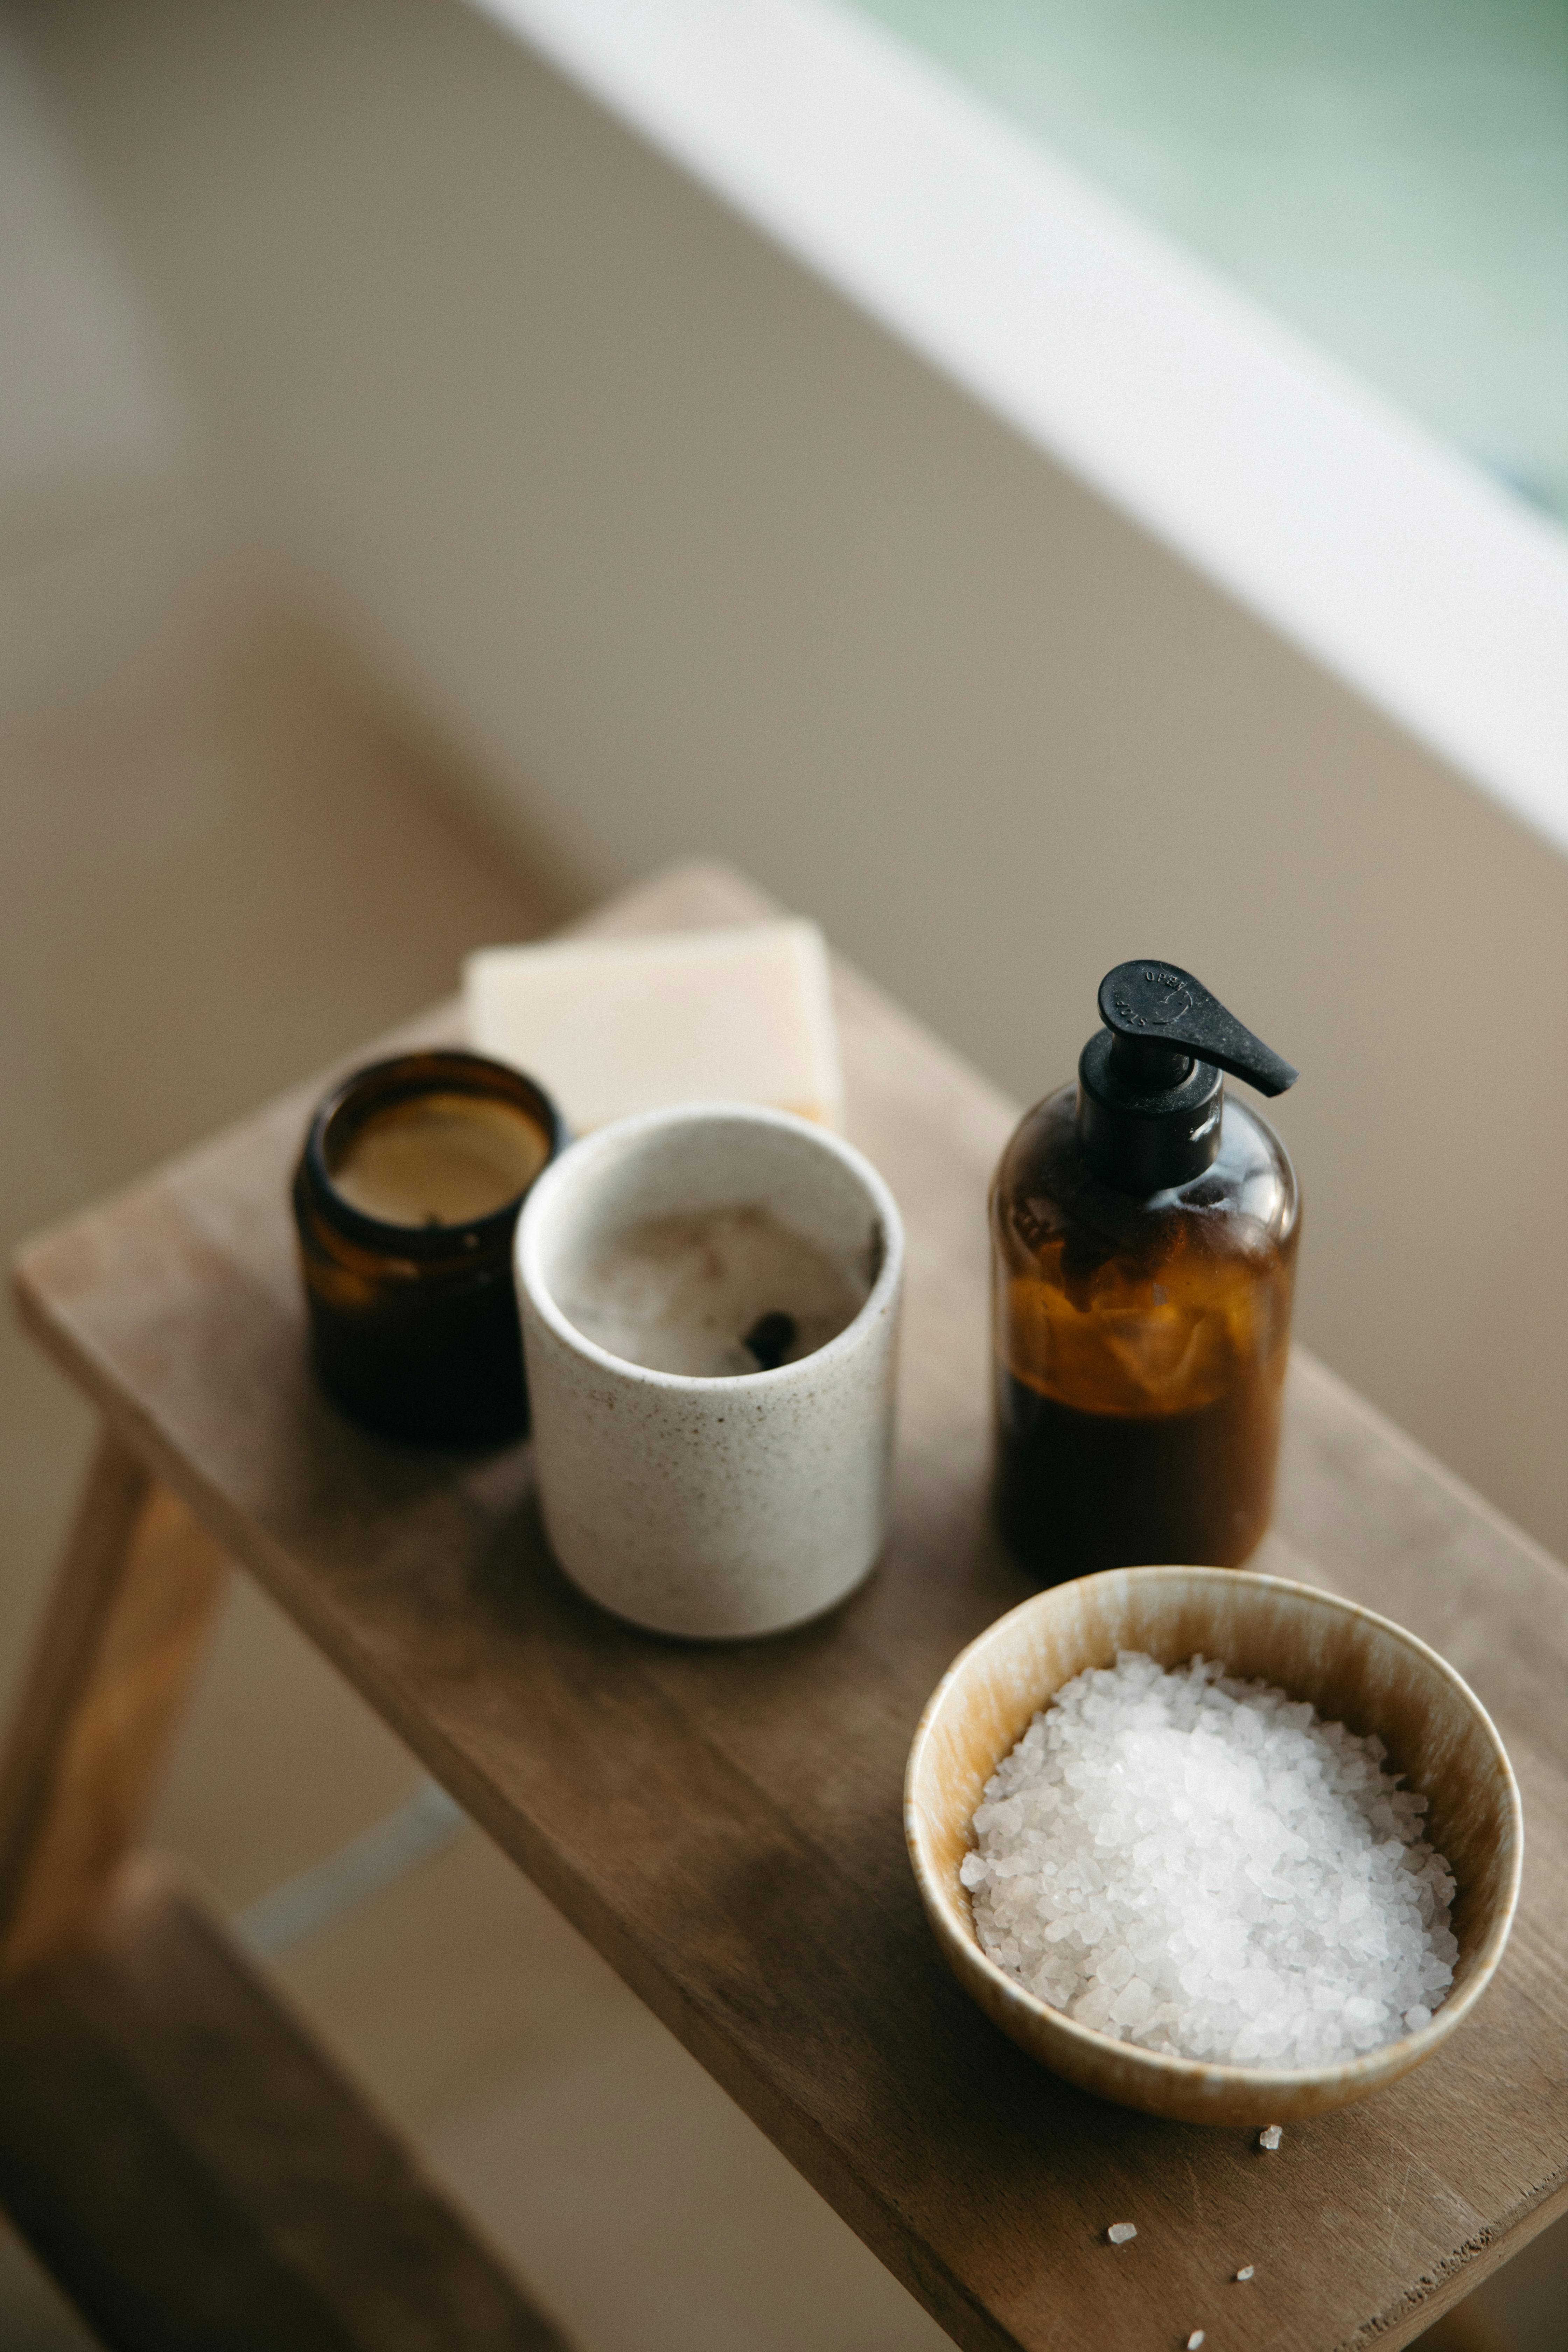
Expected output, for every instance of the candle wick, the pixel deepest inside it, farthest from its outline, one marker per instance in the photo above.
(770, 1339)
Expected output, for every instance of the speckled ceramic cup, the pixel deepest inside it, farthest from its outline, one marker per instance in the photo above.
(715, 1508)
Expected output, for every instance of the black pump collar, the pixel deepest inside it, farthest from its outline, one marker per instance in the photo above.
(1143, 1140)
(1150, 1091)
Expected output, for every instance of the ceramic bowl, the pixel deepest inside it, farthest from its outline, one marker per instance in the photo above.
(1356, 1669)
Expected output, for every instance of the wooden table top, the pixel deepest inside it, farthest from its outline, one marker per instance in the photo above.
(724, 1824)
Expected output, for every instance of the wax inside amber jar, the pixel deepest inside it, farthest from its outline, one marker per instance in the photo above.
(439, 1160)
(406, 1201)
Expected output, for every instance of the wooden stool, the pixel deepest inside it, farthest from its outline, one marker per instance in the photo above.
(724, 1825)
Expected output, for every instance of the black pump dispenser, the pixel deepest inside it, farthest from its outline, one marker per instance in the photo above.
(1143, 1243)
(1150, 1087)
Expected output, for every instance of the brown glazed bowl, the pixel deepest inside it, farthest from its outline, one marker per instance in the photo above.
(1357, 1669)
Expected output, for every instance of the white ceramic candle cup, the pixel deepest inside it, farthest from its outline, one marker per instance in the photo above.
(722, 1508)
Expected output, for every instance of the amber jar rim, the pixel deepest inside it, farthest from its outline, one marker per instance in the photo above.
(399, 1078)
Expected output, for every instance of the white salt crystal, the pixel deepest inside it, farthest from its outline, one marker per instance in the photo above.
(1195, 2339)
(1270, 2137)
(1121, 2232)
(1197, 1864)
(1244, 2275)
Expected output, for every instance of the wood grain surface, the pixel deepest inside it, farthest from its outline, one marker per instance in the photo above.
(724, 1824)
(200, 2178)
(128, 1614)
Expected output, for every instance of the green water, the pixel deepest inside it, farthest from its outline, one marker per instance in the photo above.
(1391, 176)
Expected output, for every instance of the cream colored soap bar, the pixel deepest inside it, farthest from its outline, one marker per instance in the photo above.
(616, 1025)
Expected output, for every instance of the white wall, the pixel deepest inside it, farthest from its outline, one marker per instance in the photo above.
(89, 409)
(687, 554)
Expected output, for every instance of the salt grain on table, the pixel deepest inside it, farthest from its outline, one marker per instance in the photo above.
(1195, 2339)
(1244, 2275)
(1198, 1864)
(1121, 2233)
(1270, 2137)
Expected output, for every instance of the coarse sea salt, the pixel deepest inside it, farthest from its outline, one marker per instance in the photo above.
(1199, 1866)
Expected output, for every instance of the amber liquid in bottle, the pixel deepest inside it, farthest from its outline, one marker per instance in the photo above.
(1140, 1349)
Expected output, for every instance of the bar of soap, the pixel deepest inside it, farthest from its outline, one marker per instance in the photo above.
(610, 1027)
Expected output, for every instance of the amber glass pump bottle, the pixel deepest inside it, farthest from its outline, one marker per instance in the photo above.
(1143, 1233)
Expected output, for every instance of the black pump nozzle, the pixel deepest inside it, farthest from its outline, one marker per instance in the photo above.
(1158, 1006)
(1149, 1087)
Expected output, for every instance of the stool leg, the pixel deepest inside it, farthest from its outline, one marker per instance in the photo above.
(133, 1598)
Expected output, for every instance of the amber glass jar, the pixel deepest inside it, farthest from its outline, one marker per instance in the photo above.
(407, 1199)
(1140, 1346)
